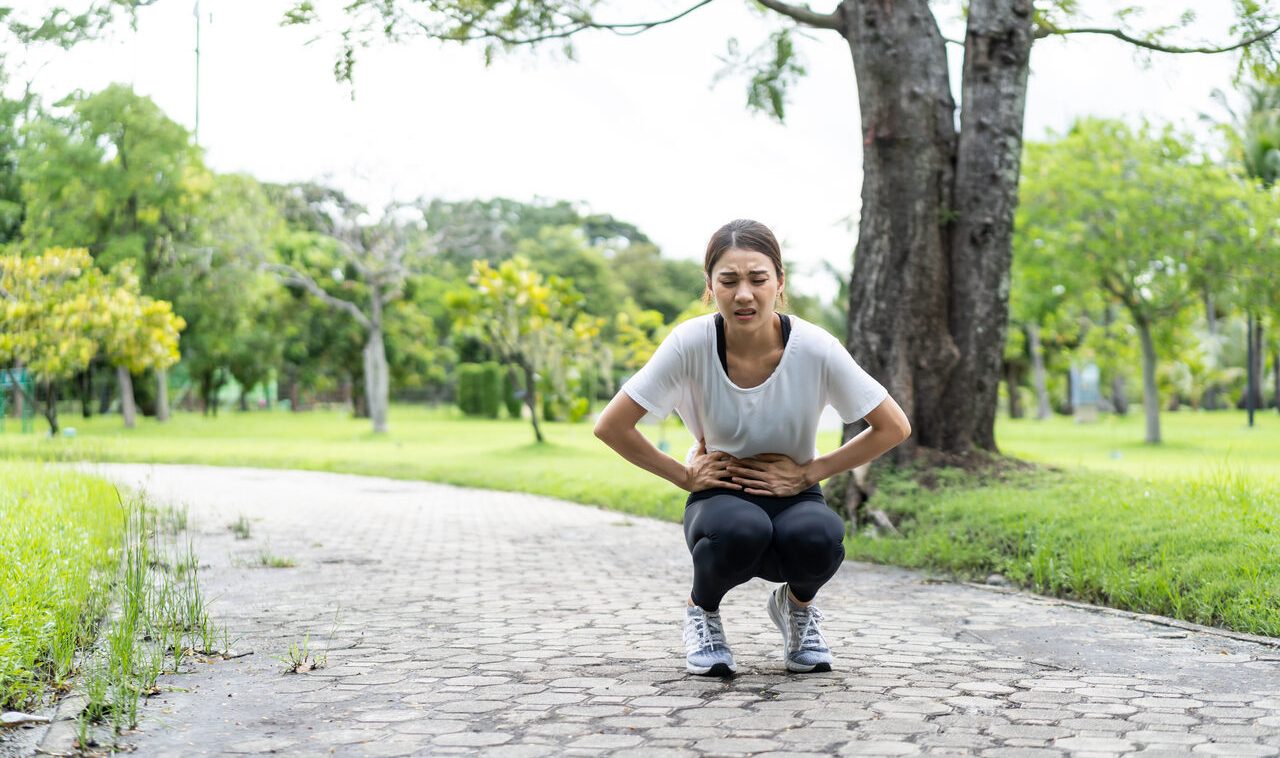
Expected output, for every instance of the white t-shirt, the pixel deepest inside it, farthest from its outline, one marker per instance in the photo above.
(779, 415)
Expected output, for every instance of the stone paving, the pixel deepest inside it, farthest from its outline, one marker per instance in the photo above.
(460, 621)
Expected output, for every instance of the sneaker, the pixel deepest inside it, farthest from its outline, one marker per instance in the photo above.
(803, 646)
(706, 651)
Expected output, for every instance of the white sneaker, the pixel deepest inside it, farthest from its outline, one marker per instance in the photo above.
(803, 645)
(706, 651)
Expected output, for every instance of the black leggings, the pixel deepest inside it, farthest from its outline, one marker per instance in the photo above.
(734, 537)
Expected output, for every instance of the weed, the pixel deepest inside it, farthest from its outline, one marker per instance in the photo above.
(299, 660)
(240, 528)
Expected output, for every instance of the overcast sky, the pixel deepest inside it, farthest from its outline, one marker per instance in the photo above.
(633, 127)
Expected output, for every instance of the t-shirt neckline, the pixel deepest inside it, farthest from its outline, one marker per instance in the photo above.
(724, 374)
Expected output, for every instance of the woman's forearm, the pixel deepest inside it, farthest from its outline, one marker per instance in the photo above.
(637, 449)
(870, 444)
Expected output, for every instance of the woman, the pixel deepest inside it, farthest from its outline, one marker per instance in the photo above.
(750, 384)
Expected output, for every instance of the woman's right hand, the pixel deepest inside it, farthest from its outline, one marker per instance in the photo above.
(707, 470)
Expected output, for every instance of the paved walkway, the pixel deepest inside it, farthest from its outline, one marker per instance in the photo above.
(511, 625)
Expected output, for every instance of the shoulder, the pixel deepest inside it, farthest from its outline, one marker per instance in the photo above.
(811, 338)
(694, 333)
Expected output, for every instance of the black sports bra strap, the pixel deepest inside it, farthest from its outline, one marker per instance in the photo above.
(720, 341)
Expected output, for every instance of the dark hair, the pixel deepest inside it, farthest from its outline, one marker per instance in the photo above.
(742, 234)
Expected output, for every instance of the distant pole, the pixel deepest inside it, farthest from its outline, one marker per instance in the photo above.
(196, 133)
(1252, 384)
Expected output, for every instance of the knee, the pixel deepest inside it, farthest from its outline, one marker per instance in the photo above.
(741, 542)
(817, 545)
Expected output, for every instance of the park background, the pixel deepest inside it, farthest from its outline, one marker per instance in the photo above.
(441, 270)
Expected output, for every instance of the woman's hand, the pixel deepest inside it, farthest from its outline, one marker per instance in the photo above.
(708, 470)
(770, 474)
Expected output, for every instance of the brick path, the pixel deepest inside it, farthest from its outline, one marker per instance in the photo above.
(475, 622)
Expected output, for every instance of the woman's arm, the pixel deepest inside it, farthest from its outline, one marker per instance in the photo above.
(616, 427)
(888, 428)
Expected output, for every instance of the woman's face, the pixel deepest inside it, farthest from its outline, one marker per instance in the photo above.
(745, 287)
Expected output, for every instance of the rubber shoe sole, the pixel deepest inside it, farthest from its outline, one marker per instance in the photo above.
(718, 669)
(798, 668)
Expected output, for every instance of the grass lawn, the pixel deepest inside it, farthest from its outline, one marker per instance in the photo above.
(60, 538)
(1187, 529)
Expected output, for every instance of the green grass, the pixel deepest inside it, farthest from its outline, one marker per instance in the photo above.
(1186, 529)
(1195, 443)
(60, 537)
(1204, 548)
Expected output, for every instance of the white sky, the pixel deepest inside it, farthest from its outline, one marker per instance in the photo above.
(633, 127)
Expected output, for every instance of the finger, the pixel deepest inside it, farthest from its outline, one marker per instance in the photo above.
(752, 482)
(751, 466)
(751, 491)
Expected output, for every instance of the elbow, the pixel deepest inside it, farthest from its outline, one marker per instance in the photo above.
(603, 432)
(904, 431)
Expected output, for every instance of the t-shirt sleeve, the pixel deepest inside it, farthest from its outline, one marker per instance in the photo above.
(657, 386)
(850, 389)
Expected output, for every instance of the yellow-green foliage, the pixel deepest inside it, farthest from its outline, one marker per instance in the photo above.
(59, 536)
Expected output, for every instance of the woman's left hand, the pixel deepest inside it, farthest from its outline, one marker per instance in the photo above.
(770, 474)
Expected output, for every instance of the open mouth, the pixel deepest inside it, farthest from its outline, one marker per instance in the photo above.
(745, 313)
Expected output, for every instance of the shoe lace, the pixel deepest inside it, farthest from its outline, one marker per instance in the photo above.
(804, 625)
(706, 631)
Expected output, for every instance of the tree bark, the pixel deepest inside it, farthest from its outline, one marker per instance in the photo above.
(1119, 400)
(1038, 379)
(898, 297)
(530, 399)
(128, 408)
(1011, 381)
(162, 394)
(929, 292)
(993, 102)
(1150, 395)
(376, 384)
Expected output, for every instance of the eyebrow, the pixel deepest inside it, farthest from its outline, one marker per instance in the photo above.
(752, 272)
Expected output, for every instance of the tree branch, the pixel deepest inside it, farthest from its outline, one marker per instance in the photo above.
(802, 14)
(290, 275)
(1044, 29)
(578, 25)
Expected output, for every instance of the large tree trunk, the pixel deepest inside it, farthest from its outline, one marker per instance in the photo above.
(1150, 395)
(128, 408)
(162, 394)
(1039, 380)
(928, 296)
(376, 382)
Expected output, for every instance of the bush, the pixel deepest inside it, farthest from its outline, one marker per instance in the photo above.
(480, 389)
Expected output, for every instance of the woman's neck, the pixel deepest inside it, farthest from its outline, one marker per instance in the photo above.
(755, 343)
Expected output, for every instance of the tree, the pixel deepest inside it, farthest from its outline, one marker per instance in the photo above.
(57, 311)
(928, 299)
(139, 333)
(1253, 141)
(381, 255)
(532, 323)
(1140, 215)
(118, 176)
